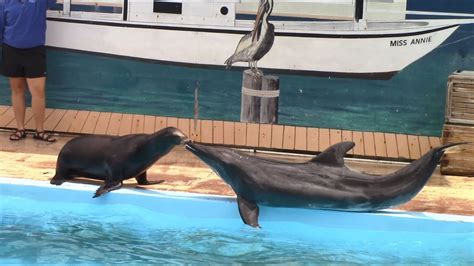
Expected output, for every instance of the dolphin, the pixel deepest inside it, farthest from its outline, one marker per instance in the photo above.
(323, 182)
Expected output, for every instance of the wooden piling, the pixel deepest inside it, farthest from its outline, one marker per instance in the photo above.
(250, 106)
(269, 102)
(259, 98)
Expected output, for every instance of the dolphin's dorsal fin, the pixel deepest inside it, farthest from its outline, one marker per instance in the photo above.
(334, 155)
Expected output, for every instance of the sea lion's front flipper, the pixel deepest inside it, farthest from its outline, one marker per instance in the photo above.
(334, 155)
(107, 187)
(248, 212)
(57, 179)
(142, 180)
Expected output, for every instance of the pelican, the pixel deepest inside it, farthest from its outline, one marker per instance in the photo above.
(253, 46)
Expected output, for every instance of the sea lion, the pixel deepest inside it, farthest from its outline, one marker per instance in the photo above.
(114, 158)
(323, 182)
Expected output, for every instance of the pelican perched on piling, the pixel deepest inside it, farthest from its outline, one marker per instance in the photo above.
(253, 46)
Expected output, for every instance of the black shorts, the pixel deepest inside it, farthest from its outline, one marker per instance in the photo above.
(28, 63)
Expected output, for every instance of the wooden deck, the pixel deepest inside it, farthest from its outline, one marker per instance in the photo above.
(378, 145)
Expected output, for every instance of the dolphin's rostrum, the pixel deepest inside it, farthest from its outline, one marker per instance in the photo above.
(323, 182)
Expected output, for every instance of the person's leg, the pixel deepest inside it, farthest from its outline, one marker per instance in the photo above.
(12, 68)
(38, 102)
(37, 90)
(18, 87)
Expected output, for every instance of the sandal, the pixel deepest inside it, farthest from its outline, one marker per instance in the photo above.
(43, 136)
(19, 134)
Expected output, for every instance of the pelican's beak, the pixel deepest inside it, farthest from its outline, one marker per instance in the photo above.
(260, 11)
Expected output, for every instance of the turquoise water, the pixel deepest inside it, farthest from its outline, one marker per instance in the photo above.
(49, 226)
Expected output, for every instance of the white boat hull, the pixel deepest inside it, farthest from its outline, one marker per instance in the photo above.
(377, 54)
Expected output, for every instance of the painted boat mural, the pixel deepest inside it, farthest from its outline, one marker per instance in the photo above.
(186, 35)
(103, 78)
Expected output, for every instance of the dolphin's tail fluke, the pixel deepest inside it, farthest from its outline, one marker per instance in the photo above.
(449, 145)
(439, 151)
(403, 185)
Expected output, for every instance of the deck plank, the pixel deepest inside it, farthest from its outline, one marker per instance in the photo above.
(229, 133)
(402, 144)
(114, 124)
(277, 136)
(4, 108)
(424, 144)
(434, 142)
(195, 130)
(288, 137)
(7, 117)
(160, 123)
(91, 123)
(391, 143)
(138, 124)
(53, 119)
(380, 144)
(252, 134)
(240, 133)
(265, 138)
(206, 131)
(102, 123)
(78, 122)
(149, 124)
(301, 139)
(313, 139)
(66, 121)
(126, 125)
(413, 146)
(218, 132)
(184, 125)
(358, 138)
(172, 122)
(369, 143)
(335, 136)
(347, 136)
(324, 139)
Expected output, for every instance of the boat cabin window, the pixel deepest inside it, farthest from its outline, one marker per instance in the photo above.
(359, 10)
(58, 6)
(97, 6)
(167, 6)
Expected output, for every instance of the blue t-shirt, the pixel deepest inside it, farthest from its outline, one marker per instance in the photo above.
(23, 22)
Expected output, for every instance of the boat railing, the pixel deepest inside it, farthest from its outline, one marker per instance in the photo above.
(287, 14)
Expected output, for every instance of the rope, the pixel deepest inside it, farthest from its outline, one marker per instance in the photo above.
(260, 93)
(460, 40)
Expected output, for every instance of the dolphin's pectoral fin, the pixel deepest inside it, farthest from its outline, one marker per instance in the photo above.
(248, 212)
(107, 187)
(334, 155)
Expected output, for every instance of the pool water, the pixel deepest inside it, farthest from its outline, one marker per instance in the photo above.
(49, 225)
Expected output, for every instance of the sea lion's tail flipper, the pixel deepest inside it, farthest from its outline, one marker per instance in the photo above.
(142, 180)
(107, 187)
(334, 155)
(248, 212)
